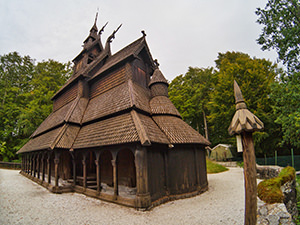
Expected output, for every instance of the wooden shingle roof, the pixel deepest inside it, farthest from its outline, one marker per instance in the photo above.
(123, 112)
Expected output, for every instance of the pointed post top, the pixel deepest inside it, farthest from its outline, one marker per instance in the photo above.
(243, 120)
(239, 100)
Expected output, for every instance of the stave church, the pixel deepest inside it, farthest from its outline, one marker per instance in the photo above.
(114, 134)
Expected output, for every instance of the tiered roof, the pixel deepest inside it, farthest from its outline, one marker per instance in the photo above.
(123, 112)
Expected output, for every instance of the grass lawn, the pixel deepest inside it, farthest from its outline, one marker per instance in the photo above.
(214, 167)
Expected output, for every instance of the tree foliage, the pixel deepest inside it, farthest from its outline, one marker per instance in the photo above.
(190, 94)
(25, 92)
(254, 77)
(211, 91)
(281, 31)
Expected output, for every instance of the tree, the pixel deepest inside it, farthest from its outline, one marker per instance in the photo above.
(15, 76)
(25, 93)
(286, 97)
(254, 77)
(47, 78)
(190, 95)
(281, 31)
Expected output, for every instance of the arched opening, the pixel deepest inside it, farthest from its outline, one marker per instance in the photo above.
(106, 169)
(126, 173)
(91, 170)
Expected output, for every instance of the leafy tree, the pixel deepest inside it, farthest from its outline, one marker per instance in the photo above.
(254, 77)
(286, 95)
(281, 31)
(47, 78)
(190, 95)
(25, 92)
(15, 76)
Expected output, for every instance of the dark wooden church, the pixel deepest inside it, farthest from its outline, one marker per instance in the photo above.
(114, 134)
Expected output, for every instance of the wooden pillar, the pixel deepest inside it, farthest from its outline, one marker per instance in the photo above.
(34, 165)
(143, 199)
(43, 166)
(31, 164)
(49, 167)
(250, 179)
(84, 169)
(56, 163)
(98, 172)
(74, 166)
(115, 177)
(38, 165)
(166, 168)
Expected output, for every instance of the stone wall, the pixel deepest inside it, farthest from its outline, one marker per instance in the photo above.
(279, 213)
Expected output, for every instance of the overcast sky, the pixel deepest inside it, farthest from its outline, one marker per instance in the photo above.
(179, 33)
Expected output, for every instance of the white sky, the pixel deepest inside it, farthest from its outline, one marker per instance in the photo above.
(179, 33)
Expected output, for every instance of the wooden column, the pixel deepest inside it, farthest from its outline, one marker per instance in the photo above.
(56, 163)
(49, 167)
(34, 165)
(250, 179)
(98, 172)
(43, 166)
(143, 199)
(74, 167)
(115, 177)
(245, 123)
(38, 165)
(31, 164)
(84, 169)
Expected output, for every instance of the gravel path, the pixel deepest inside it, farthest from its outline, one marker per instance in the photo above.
(25, 202)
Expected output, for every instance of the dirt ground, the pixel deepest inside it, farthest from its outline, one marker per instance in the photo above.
(25, 202)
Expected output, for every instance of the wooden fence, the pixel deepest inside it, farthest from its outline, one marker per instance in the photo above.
(10, 165)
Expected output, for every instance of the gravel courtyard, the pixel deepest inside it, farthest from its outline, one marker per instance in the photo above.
(25, 202)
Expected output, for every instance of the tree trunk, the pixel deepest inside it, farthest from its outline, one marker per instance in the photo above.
(205, 125)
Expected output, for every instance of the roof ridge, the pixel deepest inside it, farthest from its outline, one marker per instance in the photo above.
(144, 138)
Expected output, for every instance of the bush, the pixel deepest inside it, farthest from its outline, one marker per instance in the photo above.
(269, 190)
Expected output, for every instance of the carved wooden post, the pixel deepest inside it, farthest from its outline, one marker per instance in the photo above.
(49, 167)
(74, 166)
(244, 123)
(38, 165)
(143, 199)
(43, 166)
(31, 164)
(56, 163)
(115, 176)
(84, 169)
(34, 165)
(98, 174)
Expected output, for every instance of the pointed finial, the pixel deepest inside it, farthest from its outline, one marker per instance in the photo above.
(144, 34)
(239, 100)
(112, 36)
(96, 18)
(243, 119)
(102, 29)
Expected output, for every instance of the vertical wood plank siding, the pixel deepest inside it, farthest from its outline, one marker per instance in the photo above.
(66, 97)
(115, 78)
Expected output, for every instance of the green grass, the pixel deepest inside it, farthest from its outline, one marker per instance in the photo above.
(214, 167)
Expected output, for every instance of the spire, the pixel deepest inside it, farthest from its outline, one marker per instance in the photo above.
(93, 34)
